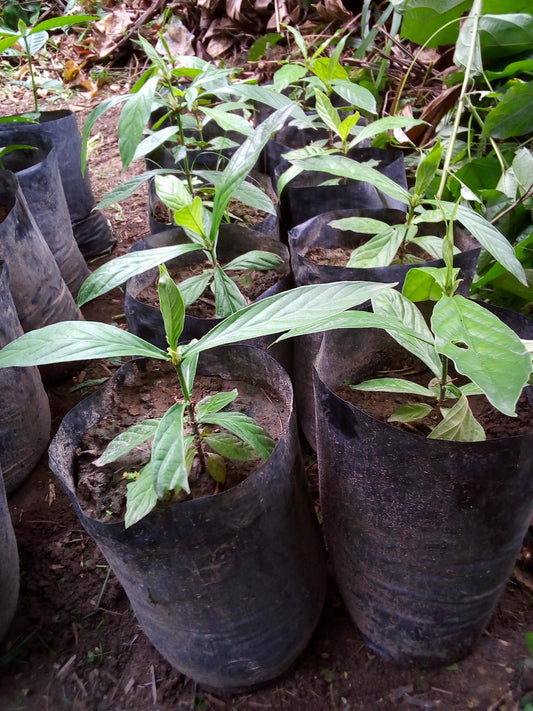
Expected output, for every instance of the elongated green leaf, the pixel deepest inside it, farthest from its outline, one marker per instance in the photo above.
(64, 21)
(35, 41)
(247, 193)
(380, 250)
(126, 189)
(133, 119)
(483, 348)
(486, 234)
(75, 340)
(173, 191)
(427, 169)
(347, 168)
(214, 403)
(288, 74)
(459, 424)
(8, 41)
(393, 385)
(128, 440)
(298, 38)
(156, 139)
(327, 112)
(191, 217)
(281, 312)
(242, 162)
(244, 427)
(374, 128)
(169, 470)
(421, 342)
(140, 497)
(505, 35)
(432, 245)
(355, 94)
(228, 121)
(193, 287)
(228, 298)
(172, 307)
(410, 412)
(92, 119)
(230, 446)
(513, 116)
(363, 225)
(255, 259)
(268, 96)
(119, 270)
(347, 125)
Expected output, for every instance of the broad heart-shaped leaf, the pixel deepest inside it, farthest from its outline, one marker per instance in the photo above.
(133, 118)
(410, 412)
(242, 162)
(140, 497)
(356, 95)
(228, 298)
(75, 340)
(173, 191)
(193, 287)
(482, 348)
(230, 446)
(281, 312)
(128, 440)
(214, 403)
(504, 35)
(459, 424)
(172, 307)
(169, 470)
(119, 270)
(380, 250)
(393, 385)
(255, 259)
(421, 342)
(513, 116)
(382, 125)
(247, 193)
(244, 427)
(327, 112)
(424, 18)
(486, 234)
(123, 191)
(347, 168)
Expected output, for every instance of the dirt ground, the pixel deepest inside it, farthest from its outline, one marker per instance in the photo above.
(75, 644)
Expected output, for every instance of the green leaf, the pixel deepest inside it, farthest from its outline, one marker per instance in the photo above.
(75, 340)
(380, 250)
(193, 287)
(216, 466)
(122, 268)
(393, 385)
(504, 35)
(483, 348)
(169, 470)
(8, 41)
(529, 642)
(228, 298)
(513, 116)
(246, 192)
(327, 112)
(287, 310)
(188, 371)
(347, 125)
(172, 307)
(242, 162)
(92, 119)
(410, 412)
(347, 168)
(173, 191)
(424, 18)
(228, 121)
(35, 41)
(300, 42)
(157, 139)
(427, 169)
(244, 427)
(288, 74)
(420, 341)
(191, 217)
(140, 497)
(388, 123)
(133, 119)
(64, 21)
(421, 284)
(214, 403)
(262, 44)
(355, 94)
(126, 189)
(255, 259)
(230, 446)
(128, 440)
(459, 424)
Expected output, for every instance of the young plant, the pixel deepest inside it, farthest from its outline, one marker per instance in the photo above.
(182, 435)
(32, 39)
(202, 226)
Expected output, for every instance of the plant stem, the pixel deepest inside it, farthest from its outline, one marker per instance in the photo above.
(474, 16)
(32, 75)
(189, 405)
(443, 379)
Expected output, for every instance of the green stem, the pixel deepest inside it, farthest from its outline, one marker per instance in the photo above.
(189, 406)
(443, 379)
(474, 16)
(32, 76)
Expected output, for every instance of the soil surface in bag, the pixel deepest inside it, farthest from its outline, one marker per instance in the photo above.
(251, 282)
(101, 490)
(75, 645)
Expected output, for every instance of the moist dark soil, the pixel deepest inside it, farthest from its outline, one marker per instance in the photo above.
(339, 256)
(102, 490)
(75, 645)
(251, 282)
